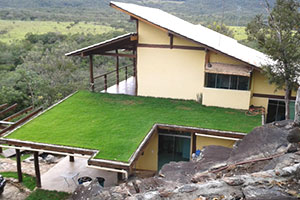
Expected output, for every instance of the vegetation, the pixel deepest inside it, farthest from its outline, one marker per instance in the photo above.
(12, 30)
(221, 28)
(35, 71)
(116, 124)
(40, 194)
(28, 180)
(279, 37)
(231, 12)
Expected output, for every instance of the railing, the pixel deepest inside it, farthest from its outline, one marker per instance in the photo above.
(117, 71)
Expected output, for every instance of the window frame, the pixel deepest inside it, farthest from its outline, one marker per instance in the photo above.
(229, 84)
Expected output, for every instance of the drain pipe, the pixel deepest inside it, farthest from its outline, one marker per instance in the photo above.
(110, 169)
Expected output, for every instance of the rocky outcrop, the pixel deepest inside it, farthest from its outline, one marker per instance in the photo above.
(264, 165)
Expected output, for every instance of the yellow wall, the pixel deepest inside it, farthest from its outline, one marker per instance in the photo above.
(148, 161)
(220, 58)
(237, 99)
(206, 141)
(172, 73)
(178, 73)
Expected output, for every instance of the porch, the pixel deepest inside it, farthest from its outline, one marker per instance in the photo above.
(122, 80)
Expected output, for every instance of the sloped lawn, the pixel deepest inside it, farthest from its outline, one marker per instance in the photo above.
(116, 124)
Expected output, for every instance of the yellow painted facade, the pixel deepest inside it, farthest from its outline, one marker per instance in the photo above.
(206, 141)
(236, 99)
(180, 73)
(148, 160)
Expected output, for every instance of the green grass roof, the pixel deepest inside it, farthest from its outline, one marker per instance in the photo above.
(116, 124)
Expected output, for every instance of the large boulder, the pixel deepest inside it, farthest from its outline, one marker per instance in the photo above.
(263, 141)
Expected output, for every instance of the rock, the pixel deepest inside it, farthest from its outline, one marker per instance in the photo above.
(188, 188)
(50, 159)
(233, 181)
(264, 193)
(262, 142)
(294, 135)
(203, 177)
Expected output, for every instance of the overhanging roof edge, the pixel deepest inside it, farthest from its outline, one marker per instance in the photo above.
(100, 44)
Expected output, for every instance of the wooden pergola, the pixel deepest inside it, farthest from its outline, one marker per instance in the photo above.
(112, 47)
(8, 123)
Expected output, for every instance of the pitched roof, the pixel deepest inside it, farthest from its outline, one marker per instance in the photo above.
(196, 33)
(123, 42)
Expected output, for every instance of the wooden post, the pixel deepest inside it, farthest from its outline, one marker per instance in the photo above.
(92, 73)
(135, 71)
(71, 158)
(105, 82)
(19, 167)
(126, 73)
(117, 67)
(194, 138)
(37, 169)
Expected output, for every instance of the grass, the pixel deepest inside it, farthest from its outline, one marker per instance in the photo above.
(116, 124)
(40, 194)
(239, 32)
(28, 180)
(23, 157)
(16, 30)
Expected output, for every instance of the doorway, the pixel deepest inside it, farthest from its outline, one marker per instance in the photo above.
(173, 146)
(276, 110)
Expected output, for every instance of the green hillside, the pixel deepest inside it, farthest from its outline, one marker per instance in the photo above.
(16, 30)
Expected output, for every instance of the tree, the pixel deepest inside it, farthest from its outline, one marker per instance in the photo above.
(221, 28)
(279, 37)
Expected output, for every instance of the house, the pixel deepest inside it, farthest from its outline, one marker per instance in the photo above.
(175, 64)
(177, 59)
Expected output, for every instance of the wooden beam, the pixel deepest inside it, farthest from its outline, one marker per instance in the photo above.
(171, 40)
(164, 46)
(98, 163)
(8, 109)
(3, 106)
(194, 144)
(92, 73)
(37, 169)
(201, 130)
(117, 55)
(49, 147)
(71, 158)
(270, 96)
(24, 119)
(19, 167)
(134, 38)
(18, 114)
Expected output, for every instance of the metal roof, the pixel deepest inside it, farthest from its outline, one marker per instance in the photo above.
(120, 42)
(196, 33)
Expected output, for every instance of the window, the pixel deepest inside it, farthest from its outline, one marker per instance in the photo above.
(223, 81)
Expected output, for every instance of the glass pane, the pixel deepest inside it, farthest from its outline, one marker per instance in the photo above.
(292, 110)
(210, 80)
(222, 81)
(233, 82)
(243, 83)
